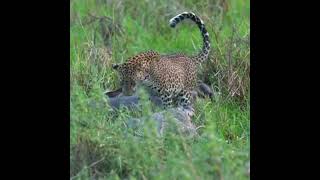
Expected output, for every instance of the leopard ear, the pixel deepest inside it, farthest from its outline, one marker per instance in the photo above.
(115, 66)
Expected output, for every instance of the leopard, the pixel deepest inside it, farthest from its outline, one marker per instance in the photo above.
(172, 77)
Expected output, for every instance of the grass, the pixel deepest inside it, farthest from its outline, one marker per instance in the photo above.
(102, 146)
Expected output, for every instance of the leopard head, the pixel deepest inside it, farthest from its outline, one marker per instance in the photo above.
(134, 71)
(127, 78)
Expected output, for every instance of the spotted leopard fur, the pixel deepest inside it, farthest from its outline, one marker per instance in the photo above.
(171, 77)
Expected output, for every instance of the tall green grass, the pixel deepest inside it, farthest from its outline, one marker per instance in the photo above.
(102, 145)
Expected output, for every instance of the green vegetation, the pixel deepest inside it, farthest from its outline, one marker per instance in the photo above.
(101, 145)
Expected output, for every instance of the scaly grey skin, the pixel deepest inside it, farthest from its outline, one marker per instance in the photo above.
(116, 99)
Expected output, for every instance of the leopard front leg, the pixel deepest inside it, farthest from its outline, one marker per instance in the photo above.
(184, 98)
(184, 101)
(167, 100)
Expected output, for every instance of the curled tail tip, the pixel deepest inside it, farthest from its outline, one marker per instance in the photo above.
(172, 22)
(176, 19)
